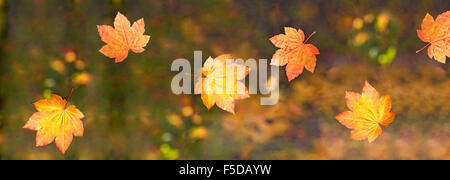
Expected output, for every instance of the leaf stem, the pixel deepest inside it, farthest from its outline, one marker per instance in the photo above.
(446, 37)
(70, 96)
(423, 48)
(310, 36)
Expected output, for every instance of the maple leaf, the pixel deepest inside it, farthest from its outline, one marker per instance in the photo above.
(294, 52)
(221, 86)
(54, 121)
(437, 34)
(123, 38)
(368, 110)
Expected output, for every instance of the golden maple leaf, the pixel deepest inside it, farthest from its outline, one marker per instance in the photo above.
(368, 110)
(54, 121)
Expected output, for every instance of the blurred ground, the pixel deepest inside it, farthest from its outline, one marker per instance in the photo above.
(48, 46)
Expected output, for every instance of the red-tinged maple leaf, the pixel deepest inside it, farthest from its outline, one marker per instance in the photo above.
(221, 85)
(55, 121)
(368, 110)
(437, 34)
(122, 38)
(294, 52)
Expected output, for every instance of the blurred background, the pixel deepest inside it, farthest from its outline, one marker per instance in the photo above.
(50, 46)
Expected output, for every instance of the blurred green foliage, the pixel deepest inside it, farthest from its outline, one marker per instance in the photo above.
(50, 46)
(375, 36)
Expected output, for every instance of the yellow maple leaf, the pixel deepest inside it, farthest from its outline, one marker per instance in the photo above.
(368, 111)
(54, 121)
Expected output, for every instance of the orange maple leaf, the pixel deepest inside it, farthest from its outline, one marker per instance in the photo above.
(437, 34)
(221, 85)
(123, 37)
(368, 110)
(294, 52)
(54, 121)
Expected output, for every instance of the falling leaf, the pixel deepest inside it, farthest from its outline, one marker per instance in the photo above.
(122, 38)
(437, 34)
(55, 121)
(368, 110)
(222, 85)
(294, 52)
